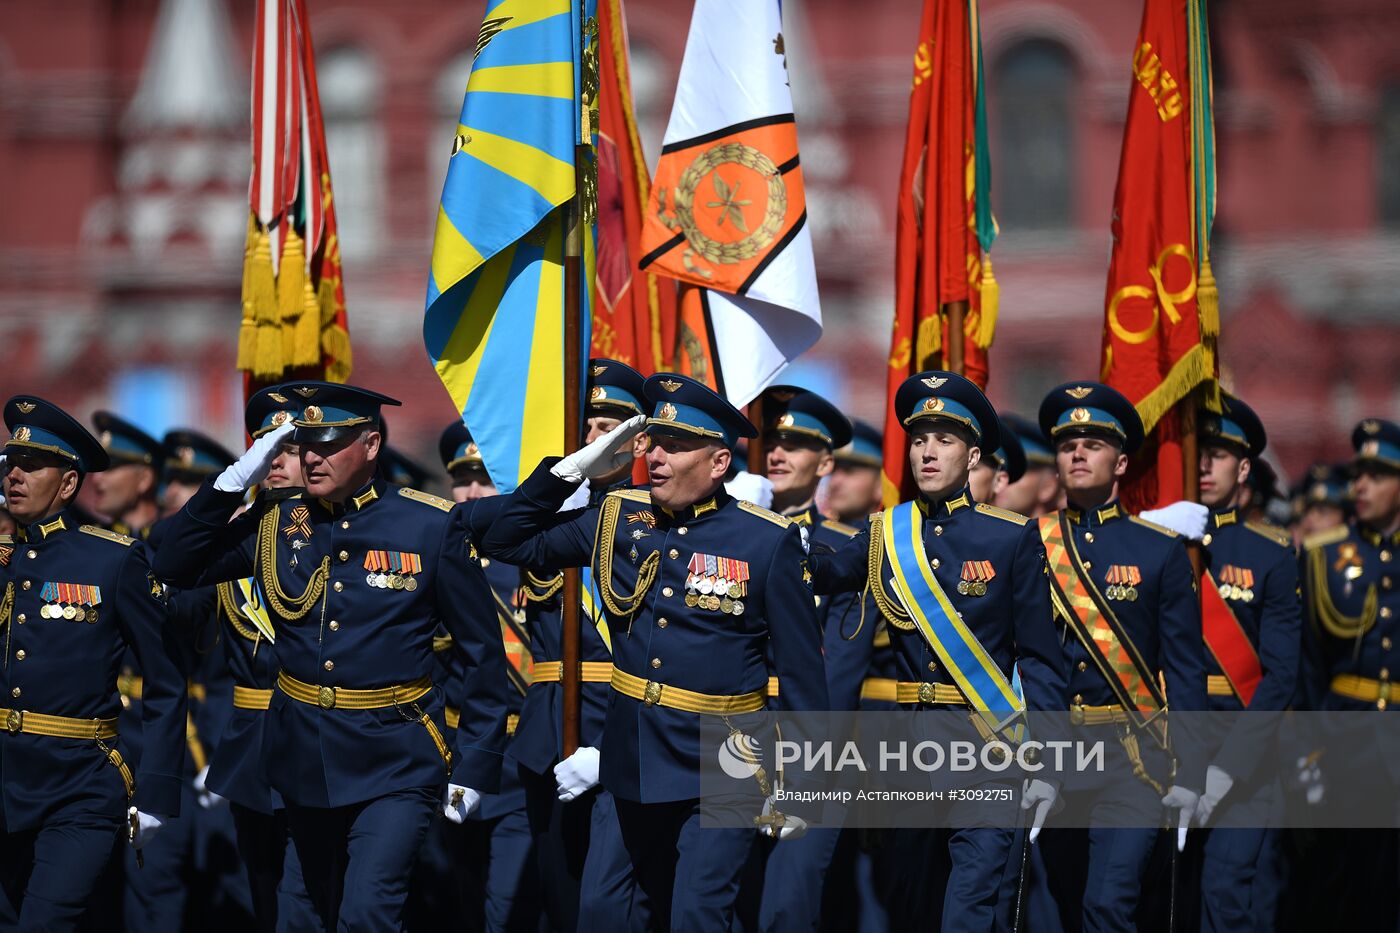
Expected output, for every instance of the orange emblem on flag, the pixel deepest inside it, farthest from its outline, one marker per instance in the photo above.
(724, 202)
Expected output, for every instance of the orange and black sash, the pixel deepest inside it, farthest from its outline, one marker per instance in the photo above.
(1078, 601)
(1227, 641)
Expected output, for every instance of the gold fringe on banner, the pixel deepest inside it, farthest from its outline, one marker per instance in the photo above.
(260, 303)
(291, 293)
(1196, 367)
(991, 303)
(928, 340)
(335, 340)
(306, 335)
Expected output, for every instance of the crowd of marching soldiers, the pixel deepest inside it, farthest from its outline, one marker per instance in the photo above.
(289, 690)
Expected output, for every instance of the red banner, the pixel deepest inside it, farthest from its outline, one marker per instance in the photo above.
(634, 316)
(1153, 348)
(938, 258)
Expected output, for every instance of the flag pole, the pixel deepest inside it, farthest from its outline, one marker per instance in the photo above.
(957, 312)
(758, 463)
(575, 216)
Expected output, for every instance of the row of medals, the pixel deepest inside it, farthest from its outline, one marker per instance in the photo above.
(1231, 591)
(1120, 591)
(708, 593)
(71, 613)
(391, 581)
(972, 588)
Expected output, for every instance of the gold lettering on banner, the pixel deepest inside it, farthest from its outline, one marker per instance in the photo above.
(1157, 82)
(1166, 301)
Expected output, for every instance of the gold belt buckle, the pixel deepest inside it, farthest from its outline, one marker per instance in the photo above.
(926, 693)
(1076, 714)
(651, 695)
(15, 721)
(325, 697)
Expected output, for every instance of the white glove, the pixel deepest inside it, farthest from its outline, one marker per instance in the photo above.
(1184, 800)
(577, 774)
(806, 539)
(751, 488)
(251, 468)
(1218, 784)
(143, 828)
(1309, 778)
(1187, 519)
(208, 800)
(1041, 795)
(578, 499)
(458, 801)
(610, 452)
(777, 825)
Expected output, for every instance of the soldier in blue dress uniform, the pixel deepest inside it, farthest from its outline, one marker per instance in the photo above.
(357, 574)
(681, 648)
(247, 650)
(853, 491)
(127, 490)
(586, 874)
(1138, 579)
(1253, 665)
(480, 873)
(1322, 501)
(1351, 601)
(990, 565)
(1037, 492)
(75, 596)
(801, 432)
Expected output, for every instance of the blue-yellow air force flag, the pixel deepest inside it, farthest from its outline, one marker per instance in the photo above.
(494, 323)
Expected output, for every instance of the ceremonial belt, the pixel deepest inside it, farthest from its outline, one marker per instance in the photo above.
(1227, 641)
(251, 698)
(344, 698)
(879, 688)
(1363, 688)
(594, 672)
(453, 717)
(397, 696)
(60, 727)
(1081, 715)
(978, 678)
(1218, 685)
(1087, 613)
(653, 693)
(133, 686)
(772, 690)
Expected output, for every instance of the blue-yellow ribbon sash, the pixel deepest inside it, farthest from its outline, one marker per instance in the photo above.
(978, 677)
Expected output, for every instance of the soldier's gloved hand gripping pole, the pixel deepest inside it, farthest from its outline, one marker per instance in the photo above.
(251, 468)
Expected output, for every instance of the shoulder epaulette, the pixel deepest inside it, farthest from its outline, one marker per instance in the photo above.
(1160, 529)
(781, 521)
(632, 495)
(427, 498)
(1004, 514)
(840, 528)
(109, 535)
(1274, 533)
(1324, 538)
(7, 539)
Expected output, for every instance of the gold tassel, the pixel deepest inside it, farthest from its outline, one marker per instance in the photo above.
(260, 303)
(248, 326)
(991, 301)
(306, 346)
(335, 340)
(1208, 301)
(291, 293)
(928, 340)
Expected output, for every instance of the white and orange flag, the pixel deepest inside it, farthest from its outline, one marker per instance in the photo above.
(727, 211)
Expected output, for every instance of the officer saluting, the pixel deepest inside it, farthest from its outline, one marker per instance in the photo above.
(587, 877)
(986, 563)
(248, 643)
(356, 574)
(695, 585)
(1125, 593)
(1252, 623)
(74, 597)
